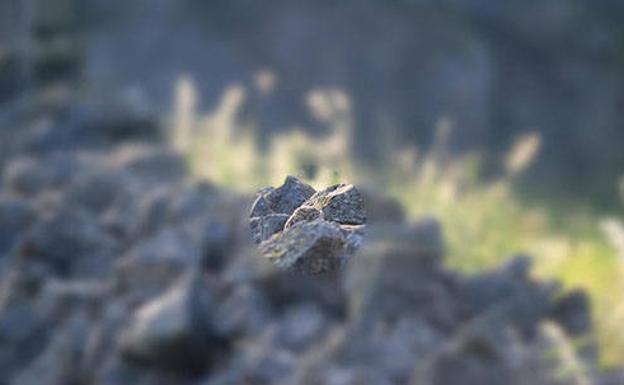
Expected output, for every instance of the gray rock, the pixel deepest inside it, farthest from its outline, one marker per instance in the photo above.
(15, 217)
(302, 326)
(340, 203)
(354, 237)
(174, 330)
(59, 363)
(65, 239)
(381, 208)
(303, 214)
(328, 372)
(572, 312)
(262, 204)
(155, 263)
(243, 312)
(313, 232)
(310, 247)
(24, 332)
(263, 228)
(398, 277)
(25, 176)
(197, 200)
(152, 212)
(527, 302)
(98, 190)
(151, 165)
(282, 200)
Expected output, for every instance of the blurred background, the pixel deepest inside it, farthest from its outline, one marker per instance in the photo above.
(500, 120)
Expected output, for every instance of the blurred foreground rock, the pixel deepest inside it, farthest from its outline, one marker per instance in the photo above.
(117, 271)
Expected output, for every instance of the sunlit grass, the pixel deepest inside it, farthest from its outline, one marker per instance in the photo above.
(484, 222)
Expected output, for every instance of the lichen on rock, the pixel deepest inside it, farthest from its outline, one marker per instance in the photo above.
(305, 231)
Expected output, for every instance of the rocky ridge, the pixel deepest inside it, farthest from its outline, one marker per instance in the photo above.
(302, 230)
(116, 270)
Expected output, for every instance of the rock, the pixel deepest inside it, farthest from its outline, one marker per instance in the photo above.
(65, 239)
(300, 230)
(283, 289)
(332, 374)
(24, 332)
(386, 285)
(340, 203)
(311, 247)
(262, 204)
(572, 312)
(115, 271)
(59, 364)
(381, 208)
(98, 190)
(282, 200)
(152, 212)
(256, 365)
(243, 312)
(303, 214)
(354, 237)
(155, 263)
(60, 299)
(526, 302)
(25, 176)
(110, 119)
(302, 326)
(174, 330)
(151, 165)
(263, 228)
(15, 217)
(101, 343)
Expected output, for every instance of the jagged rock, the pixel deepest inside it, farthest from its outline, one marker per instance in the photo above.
(58, 364)
(303, 214)
(15, 217)
(155, 263)
(340, 203)
(527, 301)
(83, 250)
(98, 190)
(310, 247)
(24, 332)
(262, 204)
(173, 331)
(244, 311)
(282, 200)
(381, 208)
(572, 312)
(152, 165)
(25, 176)
(263, 228)
(313, 232)
(152, 212)
(354, 236)
(67, 238)
(301, 326)
(332, 374)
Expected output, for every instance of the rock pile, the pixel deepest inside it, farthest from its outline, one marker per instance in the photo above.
(116, 271)
(302, 230)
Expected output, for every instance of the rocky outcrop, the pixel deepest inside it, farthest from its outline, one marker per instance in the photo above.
(314, 235)
(113, 272)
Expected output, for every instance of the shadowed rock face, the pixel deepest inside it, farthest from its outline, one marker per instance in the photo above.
(340, 203)
(283, 200)
(309, 247)
(317, 235)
